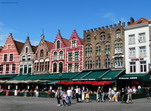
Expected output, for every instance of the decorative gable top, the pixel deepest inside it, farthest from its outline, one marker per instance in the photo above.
(140, 21)
(75, 35)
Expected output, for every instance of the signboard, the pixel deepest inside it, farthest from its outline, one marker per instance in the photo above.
(124, 78)
(137, 59)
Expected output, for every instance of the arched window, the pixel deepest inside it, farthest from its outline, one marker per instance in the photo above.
(55, 56)
(102, 36)
(41, 53)
(98, 64)
(26, 50)
(58, 44)
(118, 33)
(55, 67)
(60, 67)
(61, 55)
(88, 38)
(88, 51)
(98, 50)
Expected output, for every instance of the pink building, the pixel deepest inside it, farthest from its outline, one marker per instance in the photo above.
(10, 56)
(66, 55)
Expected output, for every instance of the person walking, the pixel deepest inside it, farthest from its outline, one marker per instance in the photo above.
(58, 95)
(69, 94)
(129, 95)
(87, 95)
(122, 95)
(77, 93)
(99, 94)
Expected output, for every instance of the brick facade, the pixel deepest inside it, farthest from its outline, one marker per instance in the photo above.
(9, 56)
(104, 47)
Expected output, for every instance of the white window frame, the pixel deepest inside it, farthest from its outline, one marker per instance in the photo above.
(132, 53)
(131, 39)
(142, 37)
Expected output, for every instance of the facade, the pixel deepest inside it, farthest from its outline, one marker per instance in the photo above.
(26, 58)
(42, 57)
(10, 56)
(137, 46)
(66, 55)
(104, 47)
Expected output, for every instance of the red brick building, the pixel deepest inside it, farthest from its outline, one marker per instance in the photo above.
(66, 55)
(10, 56)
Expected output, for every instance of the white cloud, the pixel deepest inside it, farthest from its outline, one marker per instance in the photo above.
(4, 32)
(35, 43)
(114, 18)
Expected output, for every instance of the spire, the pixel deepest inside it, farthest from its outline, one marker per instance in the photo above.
(59, 34)
(74, 33)
(42, 37)
(27, 39)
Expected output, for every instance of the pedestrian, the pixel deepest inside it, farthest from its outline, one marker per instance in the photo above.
(129, 95)
(99, 94)
(87, 95)
(147, 89)
(69, 94)
(15, 92)
(77, 93)
(58, 96)
(65, 100)
(122, 95)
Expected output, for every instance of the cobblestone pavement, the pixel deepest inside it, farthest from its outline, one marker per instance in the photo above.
(50, 104)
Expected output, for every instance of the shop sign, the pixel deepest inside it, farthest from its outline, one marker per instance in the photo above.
(137, 59)
(128, 77)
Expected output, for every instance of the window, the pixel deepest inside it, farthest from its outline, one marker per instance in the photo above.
(55, 67)
(69, 67)
(131, 39)
(58, 44)
(1, 69)
(21, 69)
(88, 64)
(13, 68)
(29, 57)
(55, 56)
(118, 34)
(23, 58)
(47, 53)
(76, 56)
(102, 36)
(143, 67)
(60, 67)
(142, 51)
(107, 49)
(11, 57)
(88, 51)
(76, 67)
(98, 64)
(61, 55)
(25, 69)
(107, 63)
(42, 53)
(26, 50)
(74, 44)
(36, 55)
(98, 50)
(47, 66)
(118, 62)
(70, 56)
(132, 67)
(5, 57)
(142, 38)
(88, 38)
(36, 67)
(29, 69)
(118, 48)
(41, 66)
(132, 53)
(7, 68)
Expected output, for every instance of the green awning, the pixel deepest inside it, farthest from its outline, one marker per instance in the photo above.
(112, 75)
(35, 77)
(93, 75)
(131, 76)
(66, 76)
(50, 77)
(22, 77)
(6, 76)
(79, 76)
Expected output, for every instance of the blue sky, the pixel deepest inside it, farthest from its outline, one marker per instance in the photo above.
(29, 17)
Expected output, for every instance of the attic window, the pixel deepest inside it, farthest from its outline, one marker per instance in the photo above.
(139, 22)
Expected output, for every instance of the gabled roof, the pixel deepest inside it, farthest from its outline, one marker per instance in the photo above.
(49, 44)
(19, 46)
(140, 21)
(34, 48)
(66, 41)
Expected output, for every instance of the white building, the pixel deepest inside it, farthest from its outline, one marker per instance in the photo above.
(137, 46)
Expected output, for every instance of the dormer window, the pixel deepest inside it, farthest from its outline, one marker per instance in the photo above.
(26, 50)
(102, 36)
(88, 38)
(74, 44)
(42, 53)
(58, 44)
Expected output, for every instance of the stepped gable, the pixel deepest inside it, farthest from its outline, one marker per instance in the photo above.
(140, 21)
(19, 46)
(49, 44)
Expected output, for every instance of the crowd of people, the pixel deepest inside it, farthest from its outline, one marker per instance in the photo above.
(64, 96)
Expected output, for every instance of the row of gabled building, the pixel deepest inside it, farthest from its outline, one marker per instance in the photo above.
(112, 47)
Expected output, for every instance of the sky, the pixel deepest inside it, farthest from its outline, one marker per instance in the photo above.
(32, 18)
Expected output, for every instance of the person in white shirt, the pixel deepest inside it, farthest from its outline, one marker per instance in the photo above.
(129, 95)
(77, 93)
(69, 95)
